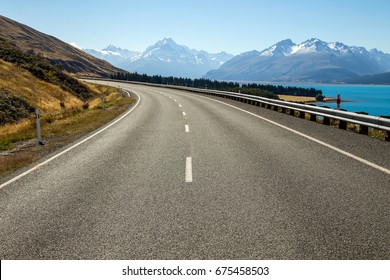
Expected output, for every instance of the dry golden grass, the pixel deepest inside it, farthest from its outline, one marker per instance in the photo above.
(292, 98)
(16, 127)
(300, 99)
(59, 126)
(57, 130)
(36, 92)
(10, 163)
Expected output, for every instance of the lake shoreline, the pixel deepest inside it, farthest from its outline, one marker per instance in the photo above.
(375, 100)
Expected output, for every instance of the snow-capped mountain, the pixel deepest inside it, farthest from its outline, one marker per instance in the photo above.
(312, 60)
(112, 54)
(167, 58)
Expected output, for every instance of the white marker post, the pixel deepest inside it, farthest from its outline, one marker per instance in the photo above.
(38, 127)
(102, 97)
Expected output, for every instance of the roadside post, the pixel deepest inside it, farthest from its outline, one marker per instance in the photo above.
(338, 101)
(38, 124)
(102, 97)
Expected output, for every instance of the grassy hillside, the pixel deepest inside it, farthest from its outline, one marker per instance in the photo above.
(42, 69)
(32, 76)
(71, 59)
(36, 92)
(13, 108)
(21, 92)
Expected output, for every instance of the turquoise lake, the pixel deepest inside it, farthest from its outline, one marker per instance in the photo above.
(375, 100)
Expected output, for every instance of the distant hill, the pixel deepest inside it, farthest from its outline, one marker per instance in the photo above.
(310, 61)
(29, 81)
(42, 69)
(56, 51)
(379, 79)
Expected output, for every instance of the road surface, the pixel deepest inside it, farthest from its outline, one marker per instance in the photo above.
(185, 176)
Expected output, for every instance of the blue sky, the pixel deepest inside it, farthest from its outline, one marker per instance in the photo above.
(212, 25)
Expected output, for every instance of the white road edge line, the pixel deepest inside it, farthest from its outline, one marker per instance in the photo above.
(187, 128)
(369, 163)
(70, 148)
(188, 170)
(127, 93)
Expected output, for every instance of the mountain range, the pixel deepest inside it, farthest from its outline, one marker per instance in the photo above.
(56, 51)
(165, 57)
(114, 55)
(310, 61)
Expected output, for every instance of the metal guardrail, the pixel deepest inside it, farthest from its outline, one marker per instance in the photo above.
(381, 123)
(328, 114)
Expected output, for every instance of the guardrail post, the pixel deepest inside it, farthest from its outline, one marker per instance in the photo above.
(343, 125)
(313, 117)
(326, 121)
(291, 112)
(363, 130)
(302, 115)
(387, 137)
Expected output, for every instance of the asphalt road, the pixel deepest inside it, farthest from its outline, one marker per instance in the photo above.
(184, 176)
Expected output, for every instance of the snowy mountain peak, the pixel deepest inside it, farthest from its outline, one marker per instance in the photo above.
(167, 40)
(166, 57)
(340, 48)
(311, 60)
(283, 48)
(163, 48)
(110, 47)
(311, 46)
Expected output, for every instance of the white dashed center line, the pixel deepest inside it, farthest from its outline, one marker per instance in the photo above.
(187, 128)
(188, 176)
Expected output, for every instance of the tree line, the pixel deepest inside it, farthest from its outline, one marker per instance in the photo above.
(270, 91)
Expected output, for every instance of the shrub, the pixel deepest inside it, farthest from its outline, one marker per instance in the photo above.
(320, 97)
(12, 108)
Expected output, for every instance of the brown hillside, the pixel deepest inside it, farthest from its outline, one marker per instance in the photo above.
(36, 92)
(56, 51)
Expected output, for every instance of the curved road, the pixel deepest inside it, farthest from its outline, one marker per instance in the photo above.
(184, 176)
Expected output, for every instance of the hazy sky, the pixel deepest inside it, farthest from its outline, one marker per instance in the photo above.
(211, 25)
